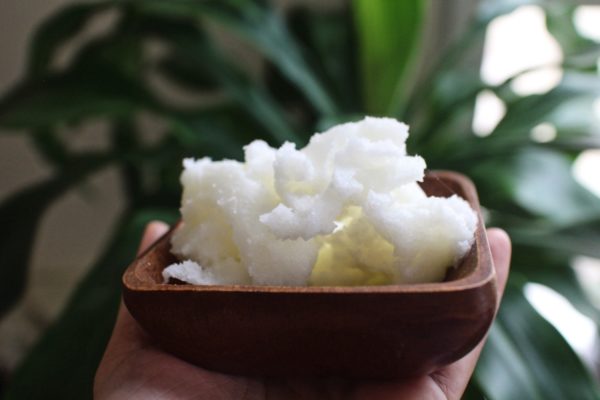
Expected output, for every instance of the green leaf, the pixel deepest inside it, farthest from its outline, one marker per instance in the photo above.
(450, 73)
(125, 140)
(473, 391)
(262, 27)
(222, 131)
(539, 181)
(502, 372)
(560, 21)
(20, 214)
(568, 107)
(545, 185)
(190, 42)
(451, 98)
(187, 73)
(56, 30)
(49, 146)
(63, 363)
(525, 113)
(103, 80)
(457, 56)
(555, 368)
(327, 38)
(552, 268)
(205, 136)
(265, 29)
(19, 217)
(388, 33)
(579, 239)
(118, 55)
(69, 97)
(257, 102)
(575, 120)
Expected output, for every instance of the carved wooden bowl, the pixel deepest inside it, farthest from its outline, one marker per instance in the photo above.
(353, 332)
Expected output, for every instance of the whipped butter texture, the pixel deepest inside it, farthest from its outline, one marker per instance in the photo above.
(344, 210)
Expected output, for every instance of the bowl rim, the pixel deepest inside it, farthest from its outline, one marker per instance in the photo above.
(483, 273)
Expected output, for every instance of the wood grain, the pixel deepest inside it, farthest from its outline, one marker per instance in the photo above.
(352, 332)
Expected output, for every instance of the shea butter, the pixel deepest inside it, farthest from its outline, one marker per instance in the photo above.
(344, 210)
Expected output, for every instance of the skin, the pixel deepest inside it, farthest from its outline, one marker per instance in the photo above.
(134, 368)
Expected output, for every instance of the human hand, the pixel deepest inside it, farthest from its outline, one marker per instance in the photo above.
(134, 368)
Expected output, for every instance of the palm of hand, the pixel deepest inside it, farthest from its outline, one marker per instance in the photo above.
(134, 368)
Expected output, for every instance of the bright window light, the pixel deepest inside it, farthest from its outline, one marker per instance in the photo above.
(586, 170)
(539, 81)
(577, 329)
(586, 22)
(489, 110)
(543, 133)
(518, 42)
(587, 270)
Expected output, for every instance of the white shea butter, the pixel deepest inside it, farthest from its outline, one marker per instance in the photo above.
(344, 210)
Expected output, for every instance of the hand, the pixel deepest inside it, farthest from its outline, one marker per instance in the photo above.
(134, 368)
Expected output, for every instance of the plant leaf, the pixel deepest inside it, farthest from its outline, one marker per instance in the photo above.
(69, 97)
(502, 372)
(568, 107)
(544, 185)
(19, 217)
(327, 38)
(220, 132)
(579, 239)
(556, 369)
(473, 391)
(56, 30)
(262, 27)
(49, 146)
(540, 182)
(190, 42)
(187, 74)
(103, 80)
(63, 363)
(560, 22)
(527, 112)
(388, 33)
(552, 268)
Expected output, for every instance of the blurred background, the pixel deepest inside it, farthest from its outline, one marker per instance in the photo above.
(99, 101)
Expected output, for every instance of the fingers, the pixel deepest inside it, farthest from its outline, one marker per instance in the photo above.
(453, 379)
(501, 249)
(154, 230)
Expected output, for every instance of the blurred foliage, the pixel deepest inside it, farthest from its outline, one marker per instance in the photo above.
(318, 69)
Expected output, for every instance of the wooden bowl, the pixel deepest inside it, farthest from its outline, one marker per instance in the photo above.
(353, 332)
